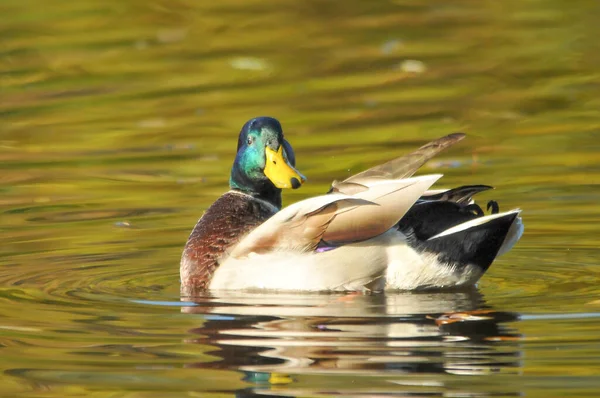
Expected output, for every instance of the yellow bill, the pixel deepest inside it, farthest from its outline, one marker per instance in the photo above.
(280, 172)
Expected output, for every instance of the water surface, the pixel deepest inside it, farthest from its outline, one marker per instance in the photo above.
(118, 122)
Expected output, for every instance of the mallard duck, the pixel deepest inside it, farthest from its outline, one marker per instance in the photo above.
(379, 229)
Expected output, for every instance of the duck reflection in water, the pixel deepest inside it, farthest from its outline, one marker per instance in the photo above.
(409, 343)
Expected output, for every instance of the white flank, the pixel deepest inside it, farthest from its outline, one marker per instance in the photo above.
(351, 267)
(383, 262)
(410, 270)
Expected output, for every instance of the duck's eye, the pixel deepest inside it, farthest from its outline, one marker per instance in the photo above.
(250, 140)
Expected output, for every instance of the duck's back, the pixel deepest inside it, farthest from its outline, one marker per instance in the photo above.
(225, 222)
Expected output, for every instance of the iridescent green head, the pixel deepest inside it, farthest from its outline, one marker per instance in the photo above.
(265, 161)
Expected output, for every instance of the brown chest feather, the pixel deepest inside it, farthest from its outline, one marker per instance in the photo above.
(221, 227)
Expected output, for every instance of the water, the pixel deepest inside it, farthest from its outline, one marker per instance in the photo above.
(118, 123)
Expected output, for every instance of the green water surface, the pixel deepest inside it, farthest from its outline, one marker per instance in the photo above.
(118, 126)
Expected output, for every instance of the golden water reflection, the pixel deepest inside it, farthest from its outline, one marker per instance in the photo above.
(385, 344)
(118, 122)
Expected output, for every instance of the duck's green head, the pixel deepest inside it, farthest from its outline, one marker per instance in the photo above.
(265, 161)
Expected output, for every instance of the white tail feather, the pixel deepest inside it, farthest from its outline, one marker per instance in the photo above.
(512, 237)
(473, 223)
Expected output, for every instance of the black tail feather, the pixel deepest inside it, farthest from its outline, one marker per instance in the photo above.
(461, 195)
(427, 219)
(477, 245)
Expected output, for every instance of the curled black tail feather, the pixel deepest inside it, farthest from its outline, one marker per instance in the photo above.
(463, 194)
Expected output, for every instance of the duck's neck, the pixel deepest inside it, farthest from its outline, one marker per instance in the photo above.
(273, 197)
(264, 190)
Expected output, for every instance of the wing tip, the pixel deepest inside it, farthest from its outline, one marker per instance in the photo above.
(459, 135)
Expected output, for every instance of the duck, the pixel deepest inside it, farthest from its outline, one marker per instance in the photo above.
(379, 230)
